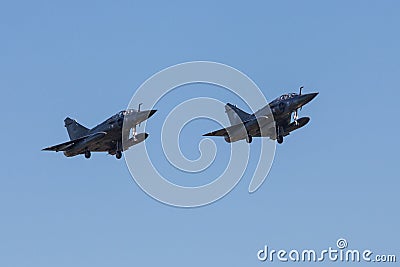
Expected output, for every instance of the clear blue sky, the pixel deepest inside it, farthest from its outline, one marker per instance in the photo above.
(337, 177)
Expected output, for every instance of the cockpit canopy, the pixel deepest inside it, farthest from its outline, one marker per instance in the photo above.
(126, 112)
(286, 96)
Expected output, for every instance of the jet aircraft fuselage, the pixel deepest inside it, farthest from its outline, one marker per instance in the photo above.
(105, 137)
(273, 120)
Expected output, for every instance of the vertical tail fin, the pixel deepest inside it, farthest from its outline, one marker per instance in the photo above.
(236, 115)
(75, 130)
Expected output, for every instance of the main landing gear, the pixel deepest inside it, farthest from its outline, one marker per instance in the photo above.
(118, 154)
(87, 154)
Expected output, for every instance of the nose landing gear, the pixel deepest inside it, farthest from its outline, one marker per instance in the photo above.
(249, 139)
(118, 153)
(279, 137)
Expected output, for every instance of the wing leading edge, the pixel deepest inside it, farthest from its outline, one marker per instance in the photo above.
(250, 125)
(88, 138)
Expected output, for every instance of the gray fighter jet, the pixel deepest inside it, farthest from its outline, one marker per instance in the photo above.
(264, 124)
(105, 137)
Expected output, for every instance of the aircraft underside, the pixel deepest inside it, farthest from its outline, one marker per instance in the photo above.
(113, 147)
(282, 128)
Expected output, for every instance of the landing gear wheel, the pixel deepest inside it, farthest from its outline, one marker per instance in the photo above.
(118, 154)
(249, 139)
(87, 154)
(280, 139)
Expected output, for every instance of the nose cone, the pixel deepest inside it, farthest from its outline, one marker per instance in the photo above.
(304, 99)
(144, 115)
(134, 117)
(151, 113)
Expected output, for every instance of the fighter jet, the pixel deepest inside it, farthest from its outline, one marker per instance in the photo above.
(264, 124)
(105, 137)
